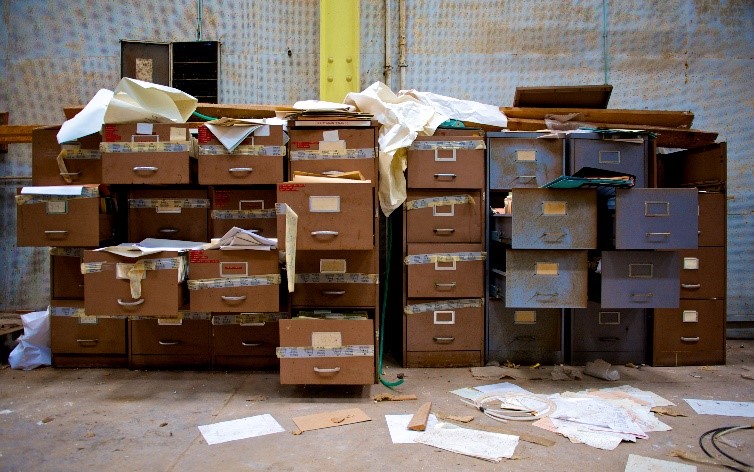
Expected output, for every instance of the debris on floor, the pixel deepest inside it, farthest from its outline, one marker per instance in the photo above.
(419, 420)
(389, 397)
(456, 418)
(492, 447)
(666, 411)
(638, 463)
(256, 398)
(722, 408)
(496, 373)
(330, 419)
(473, 392)
(601, 370)
(398, 427)
(564, 372)
(243, 428)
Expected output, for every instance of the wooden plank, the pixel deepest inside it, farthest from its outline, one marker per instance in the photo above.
(214, 110)
(664, 118)
(16, 134)
(419, 420)
(3, 121)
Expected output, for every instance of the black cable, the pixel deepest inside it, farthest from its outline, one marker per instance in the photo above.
(713, 433)
(725, 431)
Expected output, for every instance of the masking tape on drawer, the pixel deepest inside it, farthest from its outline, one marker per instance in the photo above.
(252, 281)
(335, 278)
(445, 257)
(362, 350)
(168, 203)
(248, 319)
(443, 305)
(419, 145)
(363, 153)
(439, 201)
(243, 214)
(127, 146)
(242, 150)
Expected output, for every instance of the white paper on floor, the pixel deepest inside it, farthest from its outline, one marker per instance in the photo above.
(652, 398)
(643, 464)
(722, 408)
(492, 447)
(398, 427)
(502, 387)
(243, 428)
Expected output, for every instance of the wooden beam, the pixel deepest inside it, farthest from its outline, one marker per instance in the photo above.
(664, 118)
(15, 134)
(3, 121)
(214, 110)
(419, 420)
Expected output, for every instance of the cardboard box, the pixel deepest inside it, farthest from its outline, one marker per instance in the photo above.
(64, 221)
(168, 214)
(107, 289)
(321, 150)
(147, 153)
(259, 159)
(250, 209)
(66, 279)
(234, 280)
(82, 160)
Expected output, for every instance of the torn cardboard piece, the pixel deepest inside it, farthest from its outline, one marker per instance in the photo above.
(419, 420)
(330, 419)
(564, 372)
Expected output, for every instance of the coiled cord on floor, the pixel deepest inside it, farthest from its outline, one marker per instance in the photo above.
(717, 433)
(483, 402)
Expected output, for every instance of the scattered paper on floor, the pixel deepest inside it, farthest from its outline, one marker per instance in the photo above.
(637, 463)
(398, 427)
(243, 428)
(492, 447)
(721, 408)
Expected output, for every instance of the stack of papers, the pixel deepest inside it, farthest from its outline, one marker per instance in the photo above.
(589, 177)
(239, 239)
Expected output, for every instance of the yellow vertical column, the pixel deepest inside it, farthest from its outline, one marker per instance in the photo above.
(338, 49)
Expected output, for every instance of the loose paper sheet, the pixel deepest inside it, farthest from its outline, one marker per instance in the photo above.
(237, 238)
(491, 447)
(240, 429)
(722, 408)
(59, 190)
(644, 464)
(330, 419)
(398, 427)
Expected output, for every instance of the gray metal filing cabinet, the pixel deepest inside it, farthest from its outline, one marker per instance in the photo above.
(546, 278)
(656, 218)
(640, 279)
(524, 159)
(614, 152)
(615, 335)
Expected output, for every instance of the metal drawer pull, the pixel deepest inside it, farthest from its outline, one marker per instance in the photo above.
(333, 292)
(70, 174)
(253, 324)
(528, 178)
(551, 295)
(444, 340)
(81, 285)
(240, 169)
(553, 237)
(690, 340)
(447, 285)
(645, 296)
(665, 235)
(691, 286)
(137, 302)
(333, 370)
(145, 169)
(525, 338)
(248, 344)
(168, 230)
(324, 233)
(230, 298)
(445, 176)
(56, 232)
(609, 339)
(168, 343)
(444, 230)
(87, 341)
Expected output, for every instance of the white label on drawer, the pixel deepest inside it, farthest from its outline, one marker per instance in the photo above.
(657, 209)
(251, 205)
(445, 265)
(330, 136)
(234, 269)
(332, 266)
(609, 318)
(609, 157)
(444, 317)
(174, 210)
(146, 128)
(546, 268)
(327, 339)
(449, 153)
(690, 316)
(641, 271)
(526, 155)
(178, 321)
(554, 208)
(440, 210)
(324, 204)
(690, 263)
(177, 134)
(56, 207)
(524, 317)
(85, 319)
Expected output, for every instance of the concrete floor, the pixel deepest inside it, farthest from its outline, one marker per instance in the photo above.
(110, 419)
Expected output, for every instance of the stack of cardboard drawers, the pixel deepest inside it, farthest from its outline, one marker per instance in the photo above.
(444, 250)
(331, 338)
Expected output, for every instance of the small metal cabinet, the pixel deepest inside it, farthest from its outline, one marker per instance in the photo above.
(657, 218)
(546, 278)
(614, 335)
(523, 159)
(640, 279)
(692, 334)
(613, 153)
(703, 272)
(554, 219)
(524, 336)
(461, 329)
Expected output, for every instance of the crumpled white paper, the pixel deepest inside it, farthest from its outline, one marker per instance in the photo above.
(33, 349)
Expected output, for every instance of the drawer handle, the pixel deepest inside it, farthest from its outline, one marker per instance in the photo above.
(644, 296)
(444, 230)
(168, 230)
(248, 344)
(56, 232)
(231, 298)
(324, 233)
(333, 370)
(445, 176)
(528, 178)
(168, 343)
(145, 169)
(333, 292)
(542, 294)
(525, 338)
(444, 340)
(691, 286)
(90, 342)
(262, 323)
(70, 174)
(553, 237)
(609, 339)
(690, 340)
(664, 235)
(241, 170)
(447, 285)
(81, 285)
(128, 304)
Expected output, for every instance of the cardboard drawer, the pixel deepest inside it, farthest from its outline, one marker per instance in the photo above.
(233, 281)
(190, 338)
(322, 150)
(65, 222)
(336, 279)
(168, 214)
(616, 155)
(250, 209)
(66, 279)
(703, 272)
(82, 159)
(330, 216)
(341, 370)
(546, 279)
(453, 279)
(461, 329)
(69, 335)
(246, 340)
(431, 219)
(692, 334)
(656, 218)
(554, 219)
(523, 160)
(446, 162)
(146, 153)
(611, 334)
(258, 159)
(524, 335)
(640, 279)
(712, 219)
(105, 294)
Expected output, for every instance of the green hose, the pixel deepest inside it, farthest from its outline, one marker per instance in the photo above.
(204, 117)
(384, 308)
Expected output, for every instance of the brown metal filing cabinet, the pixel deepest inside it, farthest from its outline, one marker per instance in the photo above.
(183, 342)
(77, 340)
(444, 250)
(251, 209)
(167, 213)
(691, 334)
(245, 340)
(615, 335)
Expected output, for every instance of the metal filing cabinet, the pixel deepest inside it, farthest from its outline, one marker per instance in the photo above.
(546, 278)
(615, 335)
(703, 272)
(444, 216)
(460, 275)
(245, 340)
(690, 334)
(524, 159)
(524, 335)
(640, 279)
(184, 342)
(657, 218)
(618, 153)
(77, 340)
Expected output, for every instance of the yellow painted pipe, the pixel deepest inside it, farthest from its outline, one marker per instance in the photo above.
(339, 44)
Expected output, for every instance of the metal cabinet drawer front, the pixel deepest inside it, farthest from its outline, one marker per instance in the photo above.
(542, 279)
(191, 337)
(523, 329)
(459, 221)
(68, 335)
(612, 155)
(656, 219)
(554, 219)
(712, 215)
(640, 279)
(242, 340)
(605, 329)
(315, 288)
(458, 278)
(445, 330)
(703, 273)
(442, 162)
(524, 161)
(697, 325)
